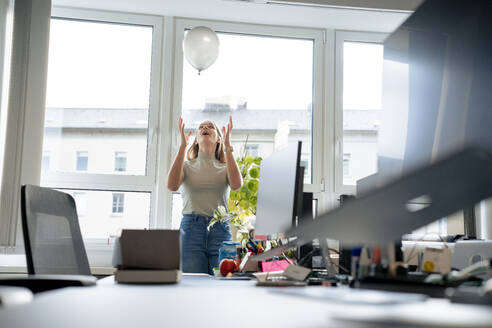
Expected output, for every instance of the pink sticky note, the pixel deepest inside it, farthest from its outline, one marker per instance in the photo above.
(280, 265)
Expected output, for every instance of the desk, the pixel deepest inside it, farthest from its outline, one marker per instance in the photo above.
(202, 301)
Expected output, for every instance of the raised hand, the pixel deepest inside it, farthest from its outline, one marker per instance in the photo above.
(227, 133)
(184, 137)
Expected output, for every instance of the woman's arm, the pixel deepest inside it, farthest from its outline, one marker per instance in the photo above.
(233, 173)
(175, 175)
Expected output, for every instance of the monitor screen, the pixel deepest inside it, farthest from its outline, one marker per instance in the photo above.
(279, 192)
(437, 79)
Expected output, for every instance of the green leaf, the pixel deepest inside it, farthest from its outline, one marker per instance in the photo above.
(234, 195)
(243, 204)
(253, 186)
(254, 172)
(244, 190)
(257, 160)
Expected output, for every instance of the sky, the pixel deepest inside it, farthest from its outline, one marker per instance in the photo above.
(98, 65)
(108, 66)
(270, 73)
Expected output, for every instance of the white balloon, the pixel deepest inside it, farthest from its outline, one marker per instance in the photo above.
(201, 47)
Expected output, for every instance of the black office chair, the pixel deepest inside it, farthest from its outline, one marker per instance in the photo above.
(52, 235)
(55, 252)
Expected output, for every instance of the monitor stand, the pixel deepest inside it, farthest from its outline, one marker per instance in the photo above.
(305, 251)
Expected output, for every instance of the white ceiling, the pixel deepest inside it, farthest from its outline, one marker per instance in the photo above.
(250, 12)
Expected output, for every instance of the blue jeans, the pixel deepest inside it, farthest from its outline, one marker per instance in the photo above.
(200, 247)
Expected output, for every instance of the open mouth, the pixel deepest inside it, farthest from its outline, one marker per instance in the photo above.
(205, 133)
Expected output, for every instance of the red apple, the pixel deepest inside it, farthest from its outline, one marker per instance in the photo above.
(226, 266)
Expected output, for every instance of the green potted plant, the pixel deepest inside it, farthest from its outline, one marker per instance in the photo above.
(242, 202)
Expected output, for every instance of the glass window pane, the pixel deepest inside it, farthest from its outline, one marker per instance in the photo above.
(98, 94)
(362, 101)
(120, 161)
(82, 161)
(102, 214)
(45, 161)
(346, 165)
(251, 150)
(177, 211)
(80, 202)
(265, 83)
(118, 203)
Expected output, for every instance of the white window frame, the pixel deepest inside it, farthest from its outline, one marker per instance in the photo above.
(165, 109)
(120, 202)
(340, 38)
(317, 35)
(115, 181)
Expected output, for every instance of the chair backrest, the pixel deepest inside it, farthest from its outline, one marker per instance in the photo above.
(52, 237)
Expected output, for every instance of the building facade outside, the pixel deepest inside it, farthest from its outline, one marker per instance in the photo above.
(114, 141)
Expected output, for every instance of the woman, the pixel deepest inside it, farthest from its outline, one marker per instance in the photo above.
(204, 179)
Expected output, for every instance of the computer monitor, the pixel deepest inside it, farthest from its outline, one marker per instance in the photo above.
(436, 86)
(280, 192)
(436, 103)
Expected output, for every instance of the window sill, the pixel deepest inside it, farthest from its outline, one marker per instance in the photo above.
(16, 264)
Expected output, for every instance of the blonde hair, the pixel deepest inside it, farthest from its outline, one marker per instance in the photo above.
(192, 152)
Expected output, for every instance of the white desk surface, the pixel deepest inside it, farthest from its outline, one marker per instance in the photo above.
(202, 301)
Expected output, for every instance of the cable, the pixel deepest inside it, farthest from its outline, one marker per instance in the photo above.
(333, 263)
(308, 255)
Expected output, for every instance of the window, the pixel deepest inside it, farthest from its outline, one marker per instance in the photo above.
(118, 203)
(45, 161)
(346, 165)
(270, 97)
(80, 202)
(359, 74)
(102, 94)
(98, 91)
(251, 150)
(177, 208)
(82, 161)
(307, 167)
(120, 161)
(103, 215)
